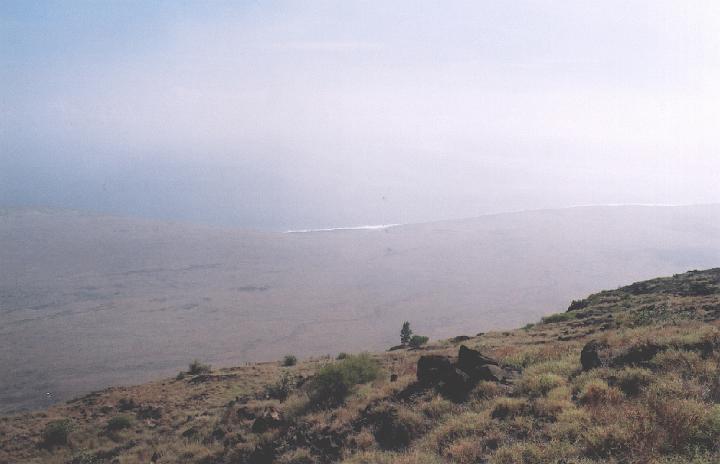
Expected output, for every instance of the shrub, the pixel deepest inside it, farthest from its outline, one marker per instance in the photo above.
(540, 384)
(416, 341)
(281, 389)
(56, 433)
(118, 423)
(437, 408)
(632, 379)
(505, 408)
(196, 368)
(569, 424)
(597, 392)
(289, 360)
(517, 453)
(341, 356)
(558, 317)
(711, 424)
(456, 427)
(335, 381)
(550, 408)
(689, 422)
(603, 441)
(396, 427)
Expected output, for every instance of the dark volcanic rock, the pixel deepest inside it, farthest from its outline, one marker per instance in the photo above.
(472, 361)
(457, 385)
(270, 419)
(594, 354)
(432, 369)
(456, 380)
(492, 373)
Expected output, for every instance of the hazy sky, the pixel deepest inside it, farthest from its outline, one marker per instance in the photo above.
(313, 114)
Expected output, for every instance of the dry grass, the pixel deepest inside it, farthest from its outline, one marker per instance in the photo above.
(665, 411)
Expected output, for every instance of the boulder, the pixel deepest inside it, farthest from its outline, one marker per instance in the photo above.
(491, 373)
(594, 354)
(271, 418)
(433, 369)
(456, 385)
(472, 361)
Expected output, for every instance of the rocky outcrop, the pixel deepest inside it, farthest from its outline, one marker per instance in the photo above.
(457, 379)
(594, 354)
(433, 369)
(271, 418)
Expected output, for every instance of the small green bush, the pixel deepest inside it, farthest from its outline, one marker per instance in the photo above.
(558, 317)
(281, 389)
(196, 368)
(416, 341)
(56, 433)
(119, 423)
(335, 381)
(289, 360)
(341, 356)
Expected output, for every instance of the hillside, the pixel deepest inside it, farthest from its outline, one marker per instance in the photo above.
(89, 301)
(627, 375)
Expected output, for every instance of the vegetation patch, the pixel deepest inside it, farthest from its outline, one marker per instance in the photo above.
(335, 381)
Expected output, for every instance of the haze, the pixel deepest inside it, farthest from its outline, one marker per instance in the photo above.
(279, 115)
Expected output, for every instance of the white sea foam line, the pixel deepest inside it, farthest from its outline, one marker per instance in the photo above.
(368, 227)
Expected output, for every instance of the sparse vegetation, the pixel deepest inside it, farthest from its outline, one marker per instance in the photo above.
(653, 398)
(197, 368)
(118, 423)
(335, 381)
(57, 433)
(558, 317)
(416, 341)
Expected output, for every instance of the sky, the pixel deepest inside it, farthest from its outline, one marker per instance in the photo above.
(285, 115)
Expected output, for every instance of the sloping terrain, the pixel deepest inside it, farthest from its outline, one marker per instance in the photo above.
(88, 301)
(624, 376)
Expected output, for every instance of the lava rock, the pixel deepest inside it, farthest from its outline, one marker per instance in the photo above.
(433, 369)
(271, 418)
(472, 361)
(594, 354)
(456, 385)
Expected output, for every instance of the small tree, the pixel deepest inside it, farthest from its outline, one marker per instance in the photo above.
(416, 341)
(197, 368)
(405, 333)
(289, 360)
(56, 433)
